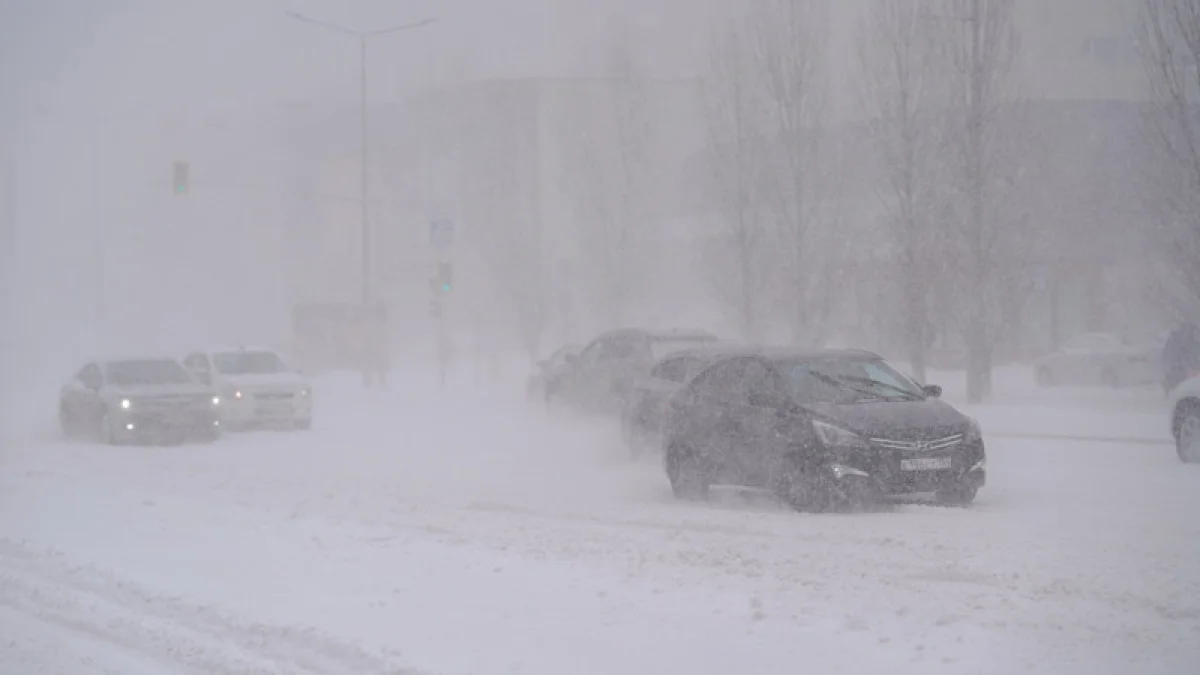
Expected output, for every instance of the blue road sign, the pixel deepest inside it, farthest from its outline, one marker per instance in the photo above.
(441, 233)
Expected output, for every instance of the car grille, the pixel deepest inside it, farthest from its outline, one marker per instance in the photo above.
(170, 403)
(941, 443)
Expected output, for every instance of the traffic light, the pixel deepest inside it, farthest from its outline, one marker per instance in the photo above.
(445, 277)
(179, 178)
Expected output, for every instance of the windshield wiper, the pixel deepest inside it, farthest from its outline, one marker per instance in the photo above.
(910, 395)
(841, 383)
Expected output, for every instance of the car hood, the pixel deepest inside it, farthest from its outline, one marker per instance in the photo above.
(186, 389)
(894, 419)
(256, 380)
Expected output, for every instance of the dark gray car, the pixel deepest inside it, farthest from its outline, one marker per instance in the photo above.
(822, 429)
(600, 379)
(535, 386)
(128, 400)
(642, 417)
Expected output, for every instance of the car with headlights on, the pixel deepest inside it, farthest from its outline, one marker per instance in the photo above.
(823, 429)
(138, 399)
(257, 386)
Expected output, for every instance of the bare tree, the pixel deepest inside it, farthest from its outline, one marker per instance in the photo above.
(902, 101)
(731, 102)
(1170, 45)
(989, 234)
(613, 171)
(790, 53)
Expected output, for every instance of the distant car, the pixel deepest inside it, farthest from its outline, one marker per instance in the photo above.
(1100, 359)
(600, 379)
(824, 430)
(1184, 409)
(258, 387)
(535, 386)
(139, 399)
(641, 419)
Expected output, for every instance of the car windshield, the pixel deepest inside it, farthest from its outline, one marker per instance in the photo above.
(848, 381)
(148, 372)
(662, 347)
(248, 363)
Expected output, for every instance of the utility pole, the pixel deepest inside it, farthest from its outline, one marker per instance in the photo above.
(98, 236)
(363, 37)
(373, 336)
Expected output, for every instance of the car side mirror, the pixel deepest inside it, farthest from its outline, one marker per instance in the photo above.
(932, 390)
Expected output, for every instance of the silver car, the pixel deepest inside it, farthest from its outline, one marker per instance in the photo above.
(1103, 359)
(140, 399)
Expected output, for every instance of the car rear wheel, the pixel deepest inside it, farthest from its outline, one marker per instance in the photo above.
(686, 471)
(1109, 378)
(1044, 377)
(66, 422)
(1187, 434)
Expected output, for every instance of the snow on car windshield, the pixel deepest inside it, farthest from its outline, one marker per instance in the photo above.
(847, 380)
(133, 373)
(661, 348)
(248, 363)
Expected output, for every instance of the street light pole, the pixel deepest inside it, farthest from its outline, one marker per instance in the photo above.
(363, 36)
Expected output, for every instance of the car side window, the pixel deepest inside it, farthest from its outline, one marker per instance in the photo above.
(674, 370)
(593, 352)
(91, 376)
(722, 379)
(621, 348)
(760, 385)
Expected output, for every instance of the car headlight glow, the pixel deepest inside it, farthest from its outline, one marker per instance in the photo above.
(836, 437)
(126, 404)
(216, 400)
(305, 392)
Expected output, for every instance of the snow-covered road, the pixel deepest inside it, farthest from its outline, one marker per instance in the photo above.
(466, 534)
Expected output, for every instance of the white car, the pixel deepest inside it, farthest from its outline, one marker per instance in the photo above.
(1184, 409)
(257, 387)
(1100, 359)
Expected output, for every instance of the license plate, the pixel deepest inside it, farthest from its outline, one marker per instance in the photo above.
(925, 464)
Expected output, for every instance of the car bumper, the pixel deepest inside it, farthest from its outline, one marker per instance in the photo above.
(891, 475)
(252, 410)
(141, 426)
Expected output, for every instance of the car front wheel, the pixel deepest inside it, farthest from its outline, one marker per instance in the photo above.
(689, 479)
(66, 422)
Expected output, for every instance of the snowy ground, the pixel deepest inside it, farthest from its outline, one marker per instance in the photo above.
(420, 531)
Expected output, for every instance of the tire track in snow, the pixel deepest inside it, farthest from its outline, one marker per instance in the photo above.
(43, 587)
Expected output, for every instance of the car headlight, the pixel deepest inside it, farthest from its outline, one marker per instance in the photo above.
(305, 392)
(974, 433)
(216, 400)
(233, 393)
(126, 404)
(836, 437)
